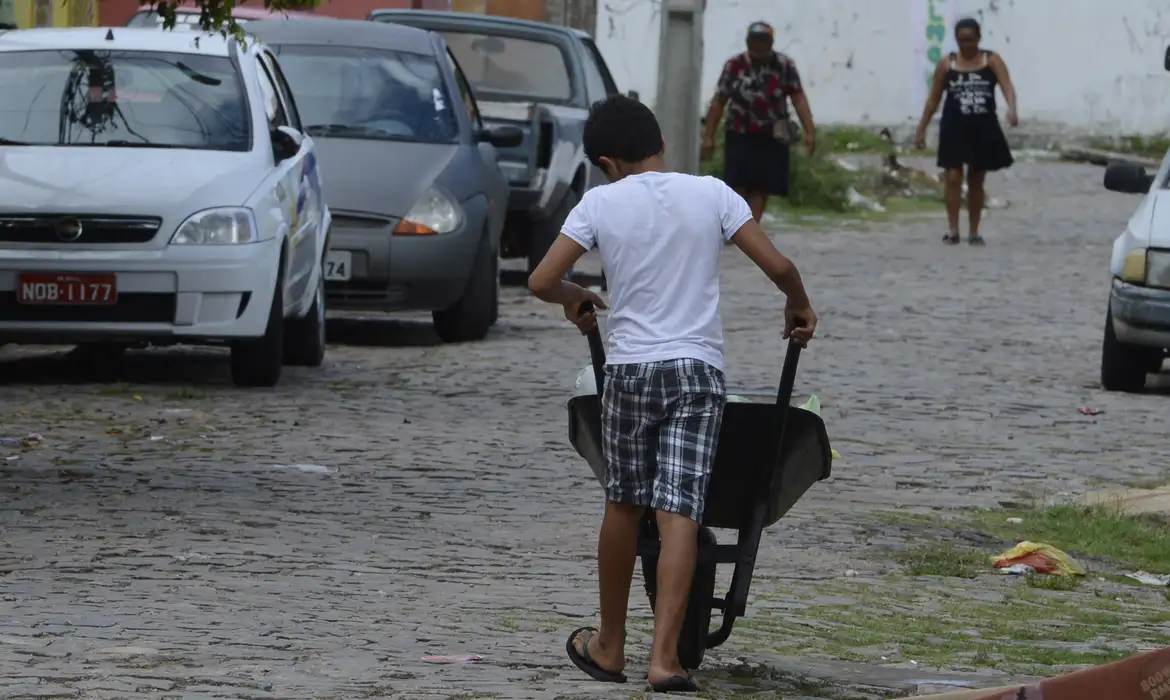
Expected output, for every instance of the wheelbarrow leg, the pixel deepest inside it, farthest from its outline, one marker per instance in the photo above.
(693, 639)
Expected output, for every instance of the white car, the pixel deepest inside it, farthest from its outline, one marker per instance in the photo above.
(156, 188)
(1137, 324)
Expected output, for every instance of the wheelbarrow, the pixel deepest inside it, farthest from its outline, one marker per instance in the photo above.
(769, 455)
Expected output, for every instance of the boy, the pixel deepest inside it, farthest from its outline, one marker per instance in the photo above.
(660, 236)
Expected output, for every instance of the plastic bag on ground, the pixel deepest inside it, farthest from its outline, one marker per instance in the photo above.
(1044, 558)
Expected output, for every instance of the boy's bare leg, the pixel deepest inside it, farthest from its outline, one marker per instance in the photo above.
(617, 551)
(676, 567)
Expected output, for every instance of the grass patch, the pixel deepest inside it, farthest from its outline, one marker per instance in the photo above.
(944, 560)
(1130, 542)
(815, 182)
(850, 139)
(1002, 623)
(1147, 146)
(819, 186)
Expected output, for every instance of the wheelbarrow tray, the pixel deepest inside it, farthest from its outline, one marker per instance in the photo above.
(746, 457)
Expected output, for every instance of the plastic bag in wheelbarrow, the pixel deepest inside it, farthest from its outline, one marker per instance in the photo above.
(745, 456)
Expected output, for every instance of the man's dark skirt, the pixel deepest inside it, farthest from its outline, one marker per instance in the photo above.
(755, 163)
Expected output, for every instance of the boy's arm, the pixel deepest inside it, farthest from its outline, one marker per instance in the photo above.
(799, 319)
(547, 280)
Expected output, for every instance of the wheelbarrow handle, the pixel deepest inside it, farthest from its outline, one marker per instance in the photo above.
(597, 350)
(784, 402)
(788, 374)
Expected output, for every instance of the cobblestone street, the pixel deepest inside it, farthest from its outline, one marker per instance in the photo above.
(174, 536)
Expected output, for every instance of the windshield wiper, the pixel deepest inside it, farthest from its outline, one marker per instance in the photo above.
(10, 142)
(372, 132)
(122, 143)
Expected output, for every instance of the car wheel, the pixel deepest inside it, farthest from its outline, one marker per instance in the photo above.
(1123, 366)
(304, 338)
(104, 360)
(472, 316)
(545, 231)
(257, 362)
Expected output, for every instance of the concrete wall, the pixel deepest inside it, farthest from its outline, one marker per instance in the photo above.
(1087, 66)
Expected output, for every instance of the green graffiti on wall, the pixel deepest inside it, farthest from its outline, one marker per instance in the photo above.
(7, 11)
(936, 35)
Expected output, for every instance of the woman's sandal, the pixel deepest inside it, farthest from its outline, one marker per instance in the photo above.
(975, 240)
(951, 238)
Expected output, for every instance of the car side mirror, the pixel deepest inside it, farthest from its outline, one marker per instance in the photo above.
(502, 136)
(633, 95)
(1166, 62)
(286, 143)
(1127, 178)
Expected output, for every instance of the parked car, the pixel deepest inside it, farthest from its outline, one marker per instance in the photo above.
(187, 16)
(416, 192)
(155, 190)
(542, 78)
(1137, 322)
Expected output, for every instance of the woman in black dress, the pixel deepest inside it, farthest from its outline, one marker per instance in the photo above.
(969, 131)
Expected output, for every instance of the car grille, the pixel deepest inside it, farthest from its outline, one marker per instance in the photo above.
(364, 292)
(132, 307)
(355, 221)
(55, 228)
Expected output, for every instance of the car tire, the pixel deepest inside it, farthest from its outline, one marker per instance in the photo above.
(473, 315)
(545, 231)
(1123, 366)
(304, 338)
(258, 362)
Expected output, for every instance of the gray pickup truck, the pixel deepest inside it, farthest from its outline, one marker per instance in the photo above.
(542, 78)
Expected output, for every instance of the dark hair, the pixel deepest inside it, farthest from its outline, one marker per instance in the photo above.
(968, 23)
(621, 128)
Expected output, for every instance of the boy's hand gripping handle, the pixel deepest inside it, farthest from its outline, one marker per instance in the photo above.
(597, 351)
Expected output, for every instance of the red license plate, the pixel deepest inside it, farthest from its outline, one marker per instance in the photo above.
(67, 288)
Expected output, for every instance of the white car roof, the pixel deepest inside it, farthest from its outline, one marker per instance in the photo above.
(124, 39)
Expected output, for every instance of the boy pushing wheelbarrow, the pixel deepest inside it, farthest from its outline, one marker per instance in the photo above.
(660, 236)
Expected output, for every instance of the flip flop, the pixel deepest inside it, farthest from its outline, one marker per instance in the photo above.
(674, 684)
(951, 238)
(582, 661)
(976, 240)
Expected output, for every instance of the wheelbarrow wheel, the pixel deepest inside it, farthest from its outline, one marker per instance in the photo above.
(692, 641)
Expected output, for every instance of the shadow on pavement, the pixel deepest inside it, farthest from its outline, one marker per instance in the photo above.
(201, 366)
(381, 331)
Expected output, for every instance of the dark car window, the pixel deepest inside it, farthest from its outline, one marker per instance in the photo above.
(465, 94)
(126, 98)
(504, 67)
(364, 93)
(594, 63)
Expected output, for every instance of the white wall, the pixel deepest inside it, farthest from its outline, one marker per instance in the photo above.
(1084, 65)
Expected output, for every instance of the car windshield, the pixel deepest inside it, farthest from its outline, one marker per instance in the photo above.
(122, 98)
(363, 93)
(506, 67)
(184, 21)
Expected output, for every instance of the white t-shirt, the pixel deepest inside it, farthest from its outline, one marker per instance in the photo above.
(660, 236)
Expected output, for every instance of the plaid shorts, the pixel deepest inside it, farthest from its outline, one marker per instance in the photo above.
(660, 427)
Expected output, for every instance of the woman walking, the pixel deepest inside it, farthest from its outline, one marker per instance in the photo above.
(969, 131)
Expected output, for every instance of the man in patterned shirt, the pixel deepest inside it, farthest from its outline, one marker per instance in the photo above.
(755, 88)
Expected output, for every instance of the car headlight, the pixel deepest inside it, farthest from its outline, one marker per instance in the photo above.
(1158, 268)
(434, 212)
(221, 226)
(1133, 270)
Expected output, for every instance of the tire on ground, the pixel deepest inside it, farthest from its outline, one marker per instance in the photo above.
(304, 338)
(473, 315)
(546, 230)
(1124, 366)
(258, 362)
